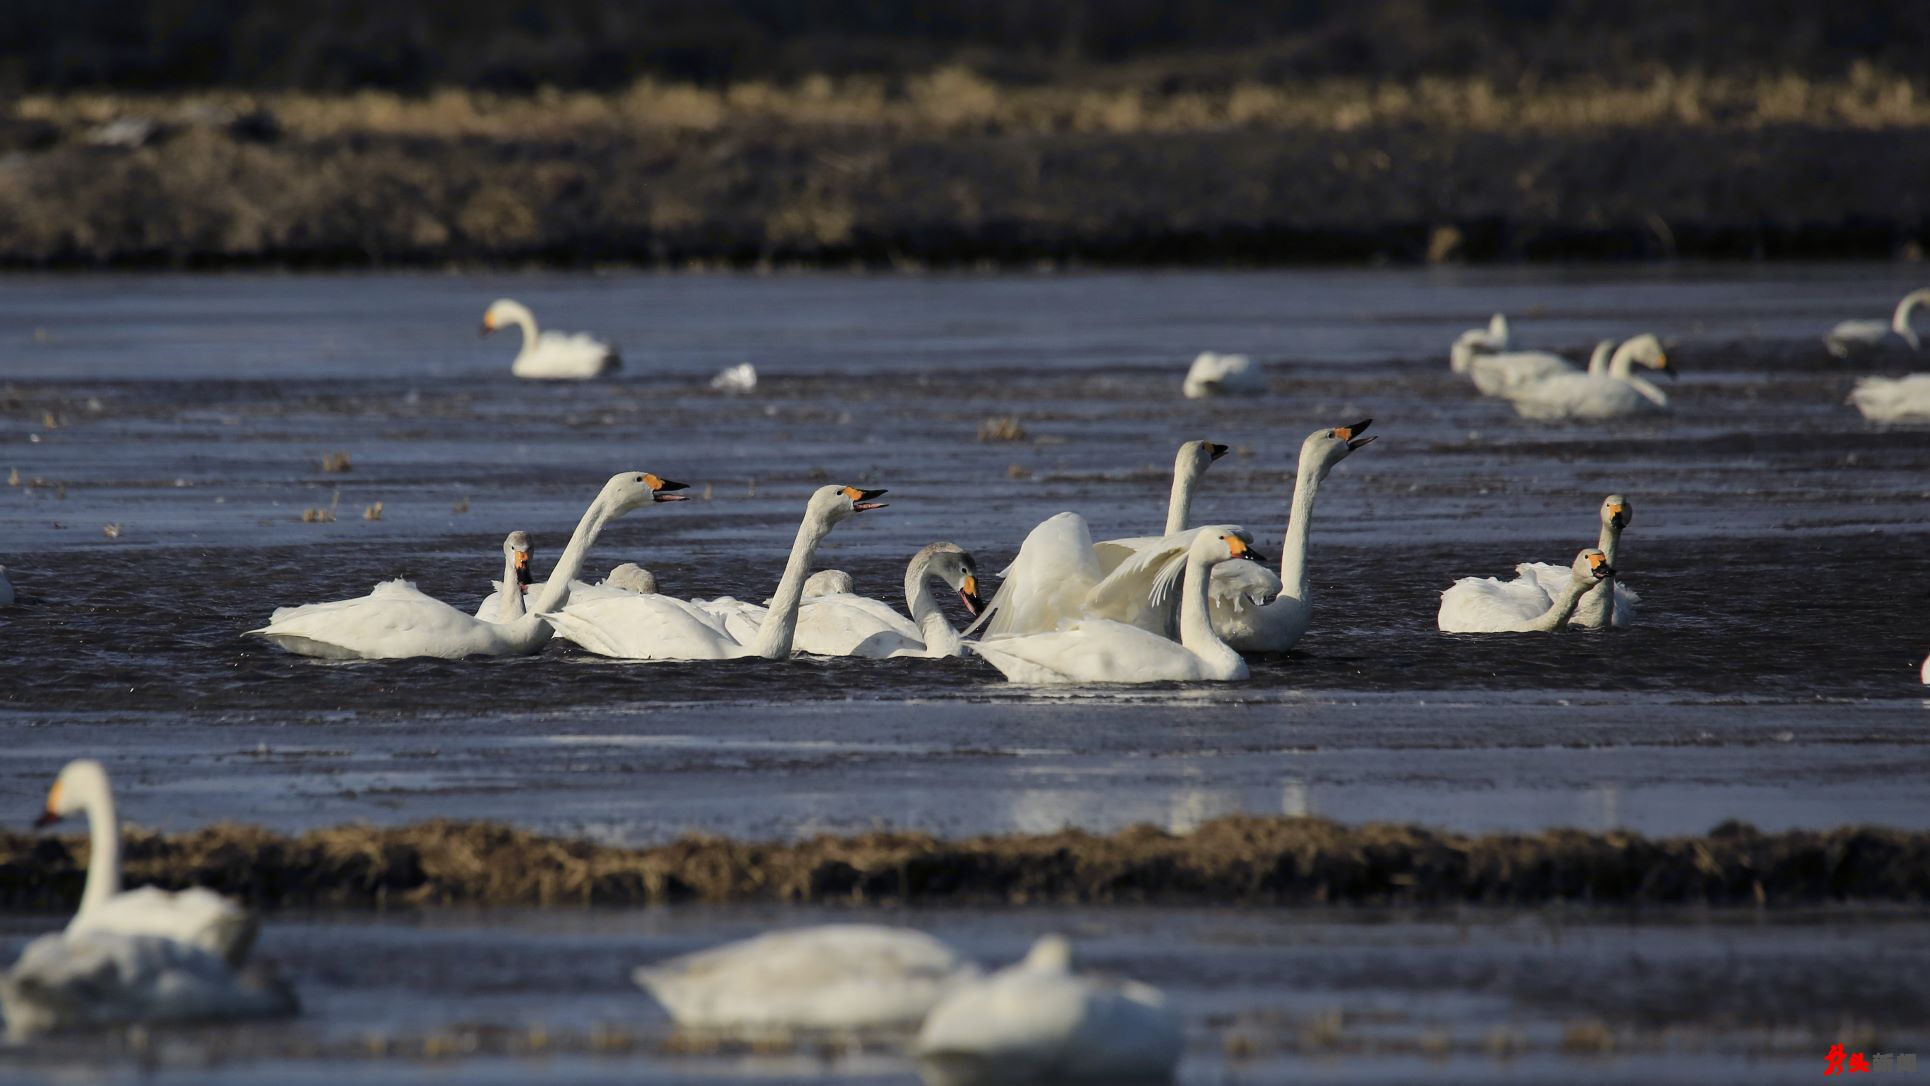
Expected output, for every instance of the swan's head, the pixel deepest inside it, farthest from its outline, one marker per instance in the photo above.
(1325, 448)
(1617, 512)
(1498, 332)
(1196, 456)
(833, 504)
(828, 582)
(629, 490)
(1646, 350)
(954, 565)
(631, 577)
(1051, 954)
(1224, 543)
(1591, 565)
(79, 781)
(500, 312)
(516, 547)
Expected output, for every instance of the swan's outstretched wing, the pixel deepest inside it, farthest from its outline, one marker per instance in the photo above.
(96, 979)
(1143, 589)
(1047, 583)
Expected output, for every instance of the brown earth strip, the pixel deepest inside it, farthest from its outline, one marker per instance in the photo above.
(1229, 861)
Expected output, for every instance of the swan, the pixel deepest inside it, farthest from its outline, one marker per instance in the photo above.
(630, 577)
(1478, 341)
(396, 621)
(827, 582)
(1551, 579)
(1893, 399)
(846, 624)
(741, 378)
(626, 579)
(6, 589)
(740, 618)
(1223, 375)
(1104, 650)
(1488, 605)
(507, 604)
(1495, 374)
(659, 628)
(1871, 337)
(836, 976)
(550, 356)
(1038, 1022)
(1615, 394)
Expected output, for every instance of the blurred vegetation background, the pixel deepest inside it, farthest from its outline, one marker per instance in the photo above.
(761, 132)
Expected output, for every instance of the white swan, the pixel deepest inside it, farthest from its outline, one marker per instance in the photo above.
(846, 624)
(1925, 674)
(1038, 1022)
(1615, 394)
(659, 628)
(1861, 337)
(1488, 605)
(1479, 341)
(1893, 399)
(507, 604)
(827, 582)
(839, 976)
(1616, 514)
(550, 356)
(738, 379)
(630, 577)
(626, 579)
(1099, 650)
(396, 621)
(1223, 375)
(1495, 374)
(740, 618)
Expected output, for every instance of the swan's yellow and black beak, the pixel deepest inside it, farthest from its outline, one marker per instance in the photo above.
(488, 325)
(1618, 515)
(1351, 434)
(1598, 565)
(968, 595)
(1214, 452)
(1662, 366)
(861, 500)
(50, 814)
(1240, 548)
(522, 570)
(660, 488)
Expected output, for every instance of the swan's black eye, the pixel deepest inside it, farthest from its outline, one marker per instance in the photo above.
(639, 478)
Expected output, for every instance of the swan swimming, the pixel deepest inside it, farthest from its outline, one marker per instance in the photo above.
(1615, 394)
(507, 604)
(136, 955)
(1100, 650)
(1488, 605)
(1551, 580)
(847, 624)
(396, 621)
(837, 976)
(660, 628)
(1496, 374)
(1479, 341)
(1893, 399)
(1039, 1022)
(550, 356)
(1222, 375)
(1864, 337)
(738, 379)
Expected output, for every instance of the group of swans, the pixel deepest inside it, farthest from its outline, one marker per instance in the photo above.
(146, 955)
(1543, 596)
(1035, 1021)
(550, 356)
(1885, 399)
(1543, 385)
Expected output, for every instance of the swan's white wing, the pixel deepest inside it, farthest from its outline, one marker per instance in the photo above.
(564, 356)
(1489, 605)
(851, 625)
(1093, 651)
(1494, 374)
(1111, 552)
(739, 619)
(1582, 396)
(846, 976)
(1021, 1026)
(1887, 399)
(393, 622)
(1046, 584)
(197, 917)
(397, 589)
(103, 978)
(1242, 583)
(632, 627)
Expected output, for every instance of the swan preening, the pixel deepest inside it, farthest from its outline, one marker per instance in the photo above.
(550, 356)
(1478, 341)
(1862, 337)
(145, 955)
(1222, 375)
(1893, 399)
(1488, 605)
(1616, 393)
(395, 621)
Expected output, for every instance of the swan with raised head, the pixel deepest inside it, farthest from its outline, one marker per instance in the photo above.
(1863, 337)
(1616, 514)
(550, 356)
(507, 604)
(1893, 399)
(1495, 374)
(1214, 374)
(396, 621)
(837, 976)
(1101, 650)
(1040, 1022)
(847, 624)
(1475, 342)
(1612, 395)
(658, 628)
(1489, 605)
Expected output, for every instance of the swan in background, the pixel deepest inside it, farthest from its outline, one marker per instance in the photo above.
(1863, 337)
(739, 379)
(656, 628)
(1223, 375)
(6, 589)
(550, 356)
(838, 976)
(1616, 514)
(1893, 399)
(1039, 1022)
(1498, 374)
(1488, 605)
(1479, 341)
(630, 577)
(1615, 394)
(828, 582)
(626, 579)
(1104, 650)
(146, 955)
(396, 621)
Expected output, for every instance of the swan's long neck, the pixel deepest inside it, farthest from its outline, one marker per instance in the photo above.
(104, 850)
(1196, 631)
(527, 322)
(780, 622)
(556, 592)
(1598, 362)
(509, 597)
(1596, 604)
(1179, 505)
(940, 638)
(1900, 321)
(1623, 363)
(1564, 605)
(1293, 548)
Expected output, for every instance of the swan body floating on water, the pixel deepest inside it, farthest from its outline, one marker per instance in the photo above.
(658, 628)
(1039, 1022)
(1615, 394)
(1862, 337)
(550, 356)
(1893, 399)
(839, 976)
(1489, 605)
(1497, 374)
(1475, 342)
(1214, 374)
(1594, 612)
(740, 378)
(740, 618)
(137, 955)
(396, 621)
(1100, 650)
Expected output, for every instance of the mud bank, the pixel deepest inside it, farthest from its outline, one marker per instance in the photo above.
(1237, 860)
